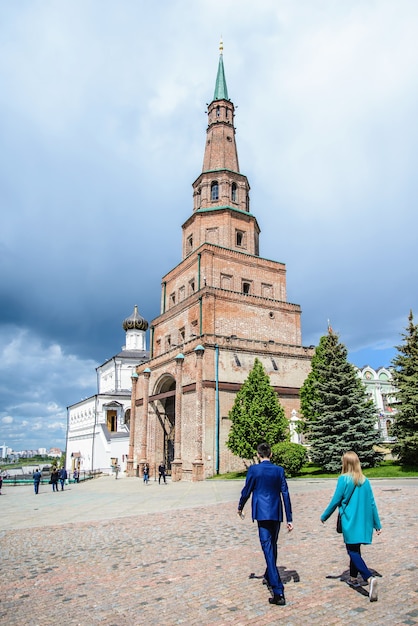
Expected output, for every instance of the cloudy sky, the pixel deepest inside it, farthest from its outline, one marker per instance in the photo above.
(102, 109)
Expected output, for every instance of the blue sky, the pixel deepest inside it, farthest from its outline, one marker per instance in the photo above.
(103, 127)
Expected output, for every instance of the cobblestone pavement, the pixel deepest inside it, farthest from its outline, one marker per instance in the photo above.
(118, 553)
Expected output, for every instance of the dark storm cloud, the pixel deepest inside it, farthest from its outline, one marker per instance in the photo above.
(103, 134)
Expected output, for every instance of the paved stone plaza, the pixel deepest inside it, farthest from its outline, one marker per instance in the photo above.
(118, 553)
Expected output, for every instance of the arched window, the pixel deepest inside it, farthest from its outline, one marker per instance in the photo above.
(214, 191)
(218, 111)
(234, 192)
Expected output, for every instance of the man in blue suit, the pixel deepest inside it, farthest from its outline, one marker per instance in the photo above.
(268, 485)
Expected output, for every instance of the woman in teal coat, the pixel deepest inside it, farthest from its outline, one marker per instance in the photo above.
(354, 497)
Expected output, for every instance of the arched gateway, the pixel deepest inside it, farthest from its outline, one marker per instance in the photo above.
(163, 405)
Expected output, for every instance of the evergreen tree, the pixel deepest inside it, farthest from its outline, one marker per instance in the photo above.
(256, 415)
(405, 379)
(338, 416)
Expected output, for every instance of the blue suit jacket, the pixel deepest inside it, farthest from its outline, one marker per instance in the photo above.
(268, 485)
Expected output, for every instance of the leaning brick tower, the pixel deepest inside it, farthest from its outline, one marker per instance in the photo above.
(221, 307)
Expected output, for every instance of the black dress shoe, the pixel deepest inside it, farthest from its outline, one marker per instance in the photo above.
(277, 599)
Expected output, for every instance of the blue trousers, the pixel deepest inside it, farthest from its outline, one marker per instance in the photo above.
(268, 532)
(357, 563)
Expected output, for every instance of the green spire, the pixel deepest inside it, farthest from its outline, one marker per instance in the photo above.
(221, 90)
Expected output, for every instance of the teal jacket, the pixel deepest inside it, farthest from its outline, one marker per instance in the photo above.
(359, 517)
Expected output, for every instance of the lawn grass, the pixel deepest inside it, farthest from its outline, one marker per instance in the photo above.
(387, 469)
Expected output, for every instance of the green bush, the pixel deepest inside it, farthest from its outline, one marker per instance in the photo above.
(291, 456)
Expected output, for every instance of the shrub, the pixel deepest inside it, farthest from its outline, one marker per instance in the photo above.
(291, 456)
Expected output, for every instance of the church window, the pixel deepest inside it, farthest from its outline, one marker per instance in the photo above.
(172, 299)
(199, 198)
(182, 292)
(386, 403)
(240, 239)
(247, 203)
(274, 364)
(234, 192)
(168, 342)
(189, 244)
(218, 111)
(246, 287)
(237, 361)
(191, 286)
(182, 335)
(214, 191)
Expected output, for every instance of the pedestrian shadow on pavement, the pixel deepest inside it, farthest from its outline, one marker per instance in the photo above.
(286, 575)
(346, 575)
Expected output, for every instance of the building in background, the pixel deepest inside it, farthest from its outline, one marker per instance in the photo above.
(380, 389)
(221, 307)
(98, 427)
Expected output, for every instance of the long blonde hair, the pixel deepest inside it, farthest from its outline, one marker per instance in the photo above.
(351, 465)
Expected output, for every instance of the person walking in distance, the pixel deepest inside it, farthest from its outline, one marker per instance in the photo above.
(146, 473)
(359, 516)
(161, 472)
(267, 484)
(36, 480)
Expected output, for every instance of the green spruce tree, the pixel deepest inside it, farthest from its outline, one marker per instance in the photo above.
(256, 415)
(338, 416)
(405, 379)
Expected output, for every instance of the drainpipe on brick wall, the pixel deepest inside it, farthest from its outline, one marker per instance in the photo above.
(198, 271)
(216, 408)
(200, 315)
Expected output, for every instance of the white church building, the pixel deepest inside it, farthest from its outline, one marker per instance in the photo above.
(98, 427)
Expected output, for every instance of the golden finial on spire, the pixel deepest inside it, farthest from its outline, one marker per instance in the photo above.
(221, 46)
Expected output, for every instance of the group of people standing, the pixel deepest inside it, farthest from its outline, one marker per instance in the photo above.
(57, 476)
(353, 495)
